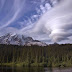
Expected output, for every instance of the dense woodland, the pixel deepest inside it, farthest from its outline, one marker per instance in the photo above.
(51, 55)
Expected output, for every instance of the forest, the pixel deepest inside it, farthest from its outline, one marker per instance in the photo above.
(54, 55)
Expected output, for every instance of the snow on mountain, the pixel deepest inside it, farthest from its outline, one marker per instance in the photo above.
(16, 39)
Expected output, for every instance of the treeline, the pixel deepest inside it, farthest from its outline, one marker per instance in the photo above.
(51, 56)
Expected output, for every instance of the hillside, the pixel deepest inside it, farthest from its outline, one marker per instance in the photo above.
(17, 39)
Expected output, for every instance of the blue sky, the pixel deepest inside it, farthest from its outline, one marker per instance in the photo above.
(39, 19)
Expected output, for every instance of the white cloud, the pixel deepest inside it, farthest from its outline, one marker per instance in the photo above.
(8, 30)
(42, 8)
(48, 6)
(14, 13)
(56, 23)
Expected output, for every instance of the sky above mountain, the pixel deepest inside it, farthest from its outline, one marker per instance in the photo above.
(45, 20)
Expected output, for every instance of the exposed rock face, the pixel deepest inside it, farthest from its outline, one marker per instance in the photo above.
(16, 39)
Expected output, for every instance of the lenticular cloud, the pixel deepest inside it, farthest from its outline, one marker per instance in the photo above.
(56, 23)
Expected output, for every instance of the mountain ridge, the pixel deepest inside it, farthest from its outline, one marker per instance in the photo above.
(16, 39)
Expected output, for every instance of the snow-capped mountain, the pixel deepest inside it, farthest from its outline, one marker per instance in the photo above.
(16, 39)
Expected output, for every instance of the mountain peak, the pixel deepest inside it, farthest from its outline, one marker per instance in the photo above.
(16, 39)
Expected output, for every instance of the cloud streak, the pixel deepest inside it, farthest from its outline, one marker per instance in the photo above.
(53, 24)
(14, 12)
(56, 23)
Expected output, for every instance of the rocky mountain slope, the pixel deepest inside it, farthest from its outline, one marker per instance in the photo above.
(16, 39)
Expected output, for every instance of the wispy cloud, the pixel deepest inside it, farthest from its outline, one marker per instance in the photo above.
(48, 24)
(56, 23)
(14, 14)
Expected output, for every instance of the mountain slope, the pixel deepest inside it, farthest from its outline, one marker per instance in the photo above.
(16, 39)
